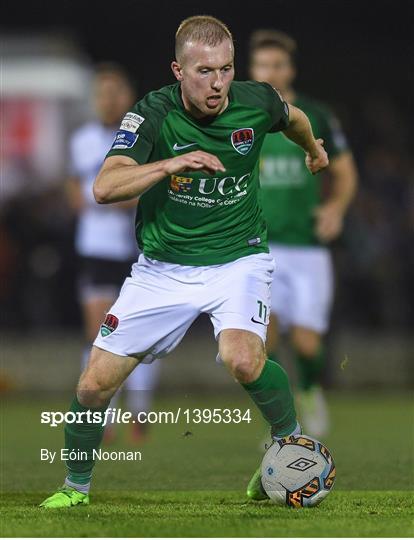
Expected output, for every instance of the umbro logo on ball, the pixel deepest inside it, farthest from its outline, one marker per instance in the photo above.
(301, 464)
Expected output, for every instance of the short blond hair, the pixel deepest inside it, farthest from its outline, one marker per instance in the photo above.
(201, 28)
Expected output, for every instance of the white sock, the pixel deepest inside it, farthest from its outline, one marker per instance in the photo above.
(83, 488)
(296, 431)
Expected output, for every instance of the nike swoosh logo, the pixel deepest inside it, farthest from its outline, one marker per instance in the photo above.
(181, 147)
(258, 322)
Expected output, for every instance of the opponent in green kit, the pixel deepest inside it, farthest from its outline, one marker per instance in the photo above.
(300, 224)
(190, 151)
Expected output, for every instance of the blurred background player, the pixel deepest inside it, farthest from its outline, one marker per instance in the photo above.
(104, 238)
(300, 224)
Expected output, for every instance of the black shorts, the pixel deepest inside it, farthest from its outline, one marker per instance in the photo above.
(101, 277)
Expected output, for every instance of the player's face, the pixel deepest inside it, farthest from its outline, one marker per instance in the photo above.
(113, 97)
(274, 66)
(205, 74)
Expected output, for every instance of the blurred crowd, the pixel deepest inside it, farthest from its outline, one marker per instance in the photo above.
(375, 260)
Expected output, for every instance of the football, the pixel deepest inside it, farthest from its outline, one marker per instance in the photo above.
(298, 471)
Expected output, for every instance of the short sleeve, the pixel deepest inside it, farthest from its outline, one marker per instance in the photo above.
(136, 135)
(331, 132)
(278, 109)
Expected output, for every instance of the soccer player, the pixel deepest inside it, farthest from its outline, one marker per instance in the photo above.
(300, 224)
(104, 237)
(190, 152)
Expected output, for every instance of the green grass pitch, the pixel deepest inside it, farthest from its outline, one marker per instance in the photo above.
(194, 485)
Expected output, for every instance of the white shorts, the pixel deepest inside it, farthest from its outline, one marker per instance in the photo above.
(302, 288)
(160, 301)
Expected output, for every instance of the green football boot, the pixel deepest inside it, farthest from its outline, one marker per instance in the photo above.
(65, 497)
(255, 490)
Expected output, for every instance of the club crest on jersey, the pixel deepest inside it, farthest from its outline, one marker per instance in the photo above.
(109, 325)
(180, 183)
(242, 140)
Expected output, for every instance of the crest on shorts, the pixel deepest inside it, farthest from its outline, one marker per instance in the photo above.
(109, 325)
(242, 140)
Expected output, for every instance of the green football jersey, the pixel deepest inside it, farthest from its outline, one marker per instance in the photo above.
(289, 191)
(193, 218)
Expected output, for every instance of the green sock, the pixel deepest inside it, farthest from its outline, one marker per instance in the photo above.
(82, 437)
(271, 393)
(309, 369)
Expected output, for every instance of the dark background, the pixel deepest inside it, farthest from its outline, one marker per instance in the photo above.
(355, 56)
(347, 49)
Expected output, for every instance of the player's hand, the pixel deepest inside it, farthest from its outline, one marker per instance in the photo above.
(194, 161)
(329, 221)
(318, 159)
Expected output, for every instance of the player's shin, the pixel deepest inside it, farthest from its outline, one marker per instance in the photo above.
(272, 394)
(310, 368)
(82, 437)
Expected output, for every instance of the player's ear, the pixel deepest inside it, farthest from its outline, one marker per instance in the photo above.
(177, 70)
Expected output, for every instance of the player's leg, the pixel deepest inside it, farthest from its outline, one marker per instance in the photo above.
(139, 389)
(312, 291)
(95, 305)
(279, 314)
(310, 361)
(149, 318)
(240, 315)
(267, 384)
(98, 286)
(265, 381)
(240, 320)
(272, 344)
(307, 344)
(102, 377)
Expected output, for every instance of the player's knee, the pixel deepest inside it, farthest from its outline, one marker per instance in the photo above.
(306, 345)
(248, 371)
(94, 392)
(244, 366)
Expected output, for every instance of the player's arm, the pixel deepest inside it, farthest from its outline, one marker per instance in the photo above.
(330, 215)
(76, 199)
(300, 132)
(121, 178)
(75, 195)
